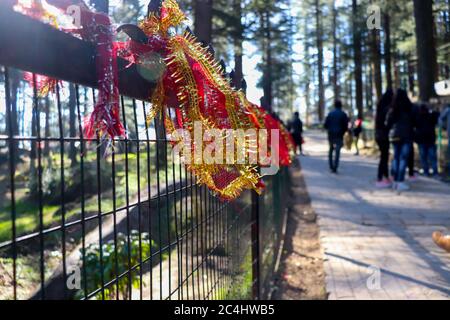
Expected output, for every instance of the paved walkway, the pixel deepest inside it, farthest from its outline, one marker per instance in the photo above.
(377, 244)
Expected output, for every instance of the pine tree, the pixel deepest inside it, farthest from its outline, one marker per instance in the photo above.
(203, 20)
(426, 49)
(387, 50)
(357, 59)
(319, 42)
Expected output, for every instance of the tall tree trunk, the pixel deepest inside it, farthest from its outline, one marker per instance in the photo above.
(47, 126)
(238, 39)
(203, 20)
(369, 82)
(336, 86)
(14, 78)
(307, 69)
(387, 50)
(319, 42)
(15, 83)
(448, 22)
(35, 131)
(290, 69)
(72, 124)
(357, 59)
(267, 60)
(307, 102)
(21, 115)
(411, 77)
(376, 63)
(350, 93)
(395, 63)
(426, 48)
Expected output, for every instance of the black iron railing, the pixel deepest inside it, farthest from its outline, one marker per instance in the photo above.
(83, 220)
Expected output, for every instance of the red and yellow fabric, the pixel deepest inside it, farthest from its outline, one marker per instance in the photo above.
(192, 84)
(95, 27)
(195, 85)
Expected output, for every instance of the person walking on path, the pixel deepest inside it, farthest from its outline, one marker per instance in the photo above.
(444, 122)
(336, 125)
(382, 139)
(400, 122)
(356, 132)
(412, 177)
(426, 122)
(296, 129)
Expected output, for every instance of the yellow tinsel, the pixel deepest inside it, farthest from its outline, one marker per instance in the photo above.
(181, 47)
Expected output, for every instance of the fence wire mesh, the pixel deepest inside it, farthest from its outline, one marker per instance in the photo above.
(80, 219)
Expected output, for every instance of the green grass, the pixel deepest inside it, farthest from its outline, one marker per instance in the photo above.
(28, 211)
(27, 218)
(27, 208)
(241, 287)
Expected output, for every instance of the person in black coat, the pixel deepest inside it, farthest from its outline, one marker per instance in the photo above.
(400, 123)
(296, 129)
(426, 122)
(336, 125)
(382, 138)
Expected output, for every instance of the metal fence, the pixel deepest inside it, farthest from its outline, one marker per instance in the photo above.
(83, 220)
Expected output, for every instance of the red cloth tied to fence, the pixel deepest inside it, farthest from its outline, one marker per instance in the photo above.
(263, 120)
(283, 145)
(193, 83)
(105, 118)
(44, 85)
(196, 87)
(96, 28)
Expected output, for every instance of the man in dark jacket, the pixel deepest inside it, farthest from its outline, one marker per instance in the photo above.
(296, 129)
(426, 122)
(336, 124)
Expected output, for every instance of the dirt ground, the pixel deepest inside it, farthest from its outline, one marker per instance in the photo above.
(301, 275)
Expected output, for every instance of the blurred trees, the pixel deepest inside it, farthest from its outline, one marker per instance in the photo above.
(316, 51)
(408, 48)
(268, 26)
(310, 53)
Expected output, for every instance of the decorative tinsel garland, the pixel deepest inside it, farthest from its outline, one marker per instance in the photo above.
(192, 83)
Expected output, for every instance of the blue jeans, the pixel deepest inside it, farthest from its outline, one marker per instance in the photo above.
(428, 157)
(400, 162)
(334, 152)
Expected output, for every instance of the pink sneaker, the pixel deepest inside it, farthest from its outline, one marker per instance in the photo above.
(413, 178)
(383, 184)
